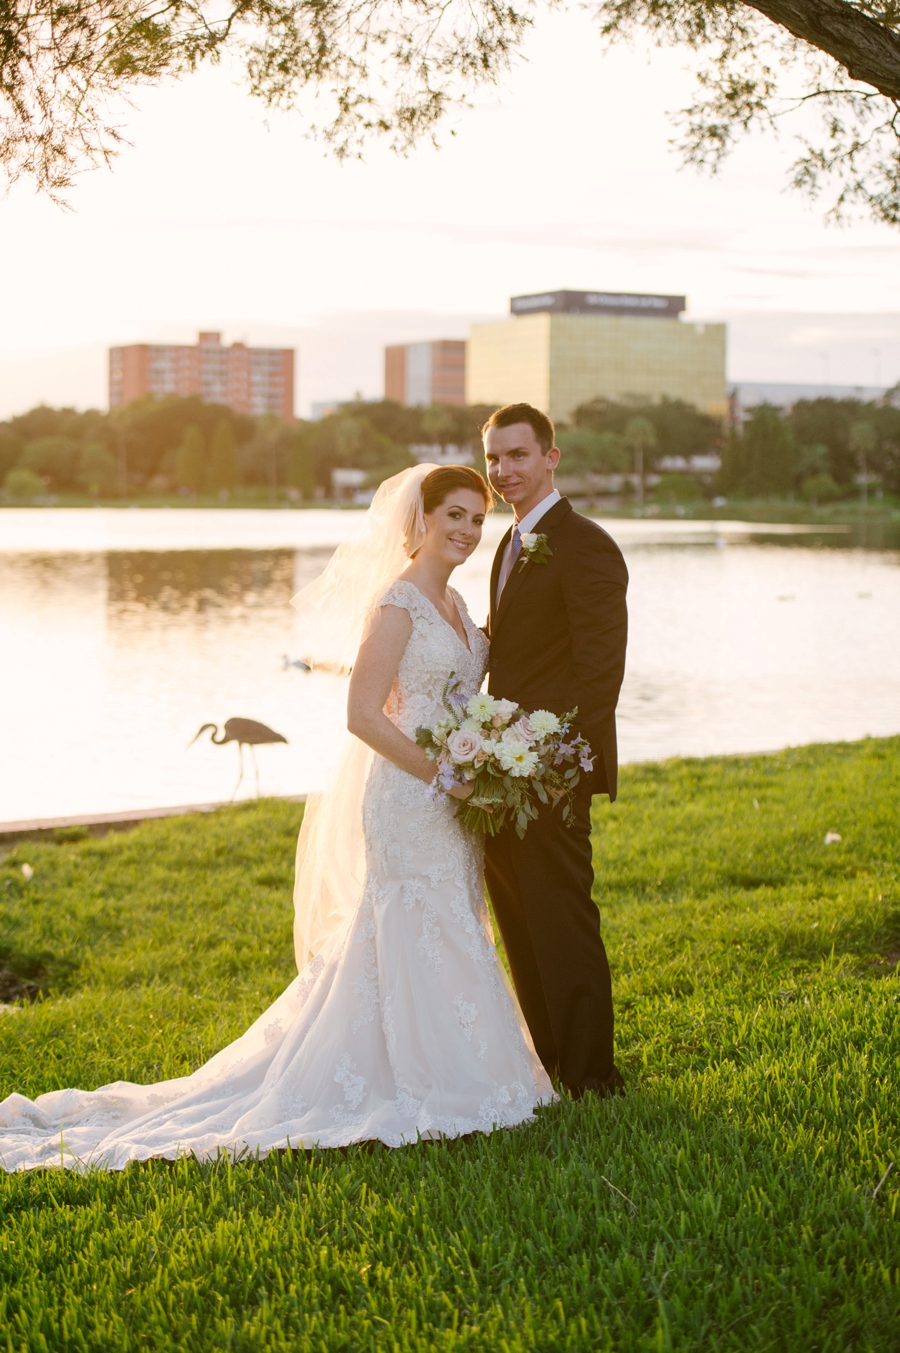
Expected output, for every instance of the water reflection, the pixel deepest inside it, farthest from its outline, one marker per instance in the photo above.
(194, 581)
(113, 658)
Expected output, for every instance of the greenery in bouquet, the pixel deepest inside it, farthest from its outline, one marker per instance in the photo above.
(514, 761)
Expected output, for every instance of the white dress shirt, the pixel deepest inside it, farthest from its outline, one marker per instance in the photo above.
(528, 523)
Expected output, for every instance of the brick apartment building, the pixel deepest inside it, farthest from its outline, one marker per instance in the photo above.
(426, 373)
(248, 380)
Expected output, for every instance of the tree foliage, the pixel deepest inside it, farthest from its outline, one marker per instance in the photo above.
(157, 445)
(359, 68)
(818, 449)
(676, 427)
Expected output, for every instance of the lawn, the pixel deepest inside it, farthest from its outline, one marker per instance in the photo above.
(730, 1201)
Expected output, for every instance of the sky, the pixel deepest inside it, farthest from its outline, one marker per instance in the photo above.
(221, 216)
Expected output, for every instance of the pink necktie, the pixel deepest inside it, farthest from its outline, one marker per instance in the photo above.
(515, 548)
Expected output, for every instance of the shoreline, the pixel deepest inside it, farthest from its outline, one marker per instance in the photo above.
(47, 828)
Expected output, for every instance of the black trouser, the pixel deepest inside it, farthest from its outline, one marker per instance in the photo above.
(540, 889)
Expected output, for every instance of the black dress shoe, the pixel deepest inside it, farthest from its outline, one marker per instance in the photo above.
(613, 1084)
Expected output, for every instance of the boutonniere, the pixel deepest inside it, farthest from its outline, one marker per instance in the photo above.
(535, 549)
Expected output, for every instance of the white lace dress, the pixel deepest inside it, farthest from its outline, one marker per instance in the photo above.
(404, 1027)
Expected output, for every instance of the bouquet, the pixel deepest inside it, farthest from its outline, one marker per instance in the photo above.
(514, 760)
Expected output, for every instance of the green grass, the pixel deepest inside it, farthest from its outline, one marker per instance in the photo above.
(726, 1203)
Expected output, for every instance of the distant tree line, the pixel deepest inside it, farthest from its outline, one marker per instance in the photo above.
(182, 445)
(823, 449)
(820, 450)
(611, 437)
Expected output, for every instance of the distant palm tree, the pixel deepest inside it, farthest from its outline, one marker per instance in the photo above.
(640, 435)
(862, 443)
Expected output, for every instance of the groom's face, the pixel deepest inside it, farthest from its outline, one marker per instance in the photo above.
(519, 470)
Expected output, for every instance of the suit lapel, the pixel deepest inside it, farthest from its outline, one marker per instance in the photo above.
(495, 577)
(546, 526)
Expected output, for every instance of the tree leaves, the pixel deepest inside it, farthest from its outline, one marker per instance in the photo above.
(393, 68)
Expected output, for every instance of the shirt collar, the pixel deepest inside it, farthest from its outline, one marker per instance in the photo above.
(530, 521)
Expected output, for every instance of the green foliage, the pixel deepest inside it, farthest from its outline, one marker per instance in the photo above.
(151, 431)
(148, 437)
(353, 437)
(586, 451)
(769, 452)
(97, 469)
(54, 459)
(821, 488)
(20, 483)
(677, 488)
(221, 472)
(728, 1202)
(679, 429)
(820, 439)
(300, 470)
(190, 461)
(10, 450)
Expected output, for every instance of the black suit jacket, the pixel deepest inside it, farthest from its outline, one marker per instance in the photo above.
(558, 635)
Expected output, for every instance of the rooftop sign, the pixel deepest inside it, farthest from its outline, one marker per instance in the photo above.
(598, 303)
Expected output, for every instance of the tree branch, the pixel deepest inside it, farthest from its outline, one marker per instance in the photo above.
(869, 50)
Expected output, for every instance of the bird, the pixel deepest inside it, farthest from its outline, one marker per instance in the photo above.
(295, 662)
(246, 733)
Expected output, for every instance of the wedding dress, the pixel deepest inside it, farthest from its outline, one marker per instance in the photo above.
(403, 1025)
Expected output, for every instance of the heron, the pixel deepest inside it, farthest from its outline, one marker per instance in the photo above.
(246, 733)
(295, 662)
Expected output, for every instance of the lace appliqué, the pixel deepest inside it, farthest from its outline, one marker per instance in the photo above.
(354, 1088)
(467, 1013)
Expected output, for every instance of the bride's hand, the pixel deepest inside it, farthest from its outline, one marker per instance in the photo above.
(461, 791)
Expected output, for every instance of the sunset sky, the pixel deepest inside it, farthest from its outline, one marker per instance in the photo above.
(219, 217)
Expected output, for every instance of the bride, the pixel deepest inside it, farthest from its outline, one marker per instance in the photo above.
(401, 1023)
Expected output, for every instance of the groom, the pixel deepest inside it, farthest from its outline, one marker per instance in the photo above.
(557, 627)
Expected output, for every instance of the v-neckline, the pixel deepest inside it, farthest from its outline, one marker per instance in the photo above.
(444, 620)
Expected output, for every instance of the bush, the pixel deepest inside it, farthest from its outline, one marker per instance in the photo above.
(821, 488)
(21, 483)
(677, 488)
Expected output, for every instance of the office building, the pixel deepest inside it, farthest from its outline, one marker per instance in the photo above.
(426, 373)
(561, 349)
(248, 380)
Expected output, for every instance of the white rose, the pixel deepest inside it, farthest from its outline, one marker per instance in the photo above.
(462, 745)
(506, 709)
(528, 539)
(544, 723)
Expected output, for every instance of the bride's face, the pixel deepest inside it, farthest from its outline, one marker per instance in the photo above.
(453, 529)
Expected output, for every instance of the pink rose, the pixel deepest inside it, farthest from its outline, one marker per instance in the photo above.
(462, 745)
(512, 737)
(524, 729)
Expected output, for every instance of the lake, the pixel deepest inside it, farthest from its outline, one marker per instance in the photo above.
(122, 631)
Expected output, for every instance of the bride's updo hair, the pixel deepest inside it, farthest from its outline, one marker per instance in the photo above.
(434, 489)
(439, 483)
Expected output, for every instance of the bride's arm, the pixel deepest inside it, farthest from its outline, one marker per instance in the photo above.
(373, 675)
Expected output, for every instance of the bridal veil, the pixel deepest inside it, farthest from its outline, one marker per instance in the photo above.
(335, 608)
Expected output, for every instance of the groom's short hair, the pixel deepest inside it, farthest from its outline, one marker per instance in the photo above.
(539, 423)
